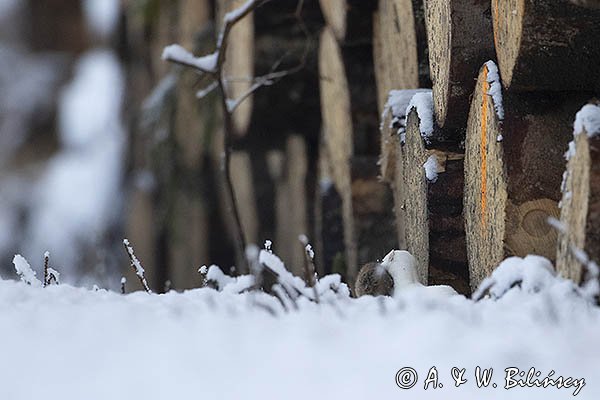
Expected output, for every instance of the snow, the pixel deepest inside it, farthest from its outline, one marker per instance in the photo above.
(99, 345)
(397, 103)
(493, 78)
(178, 54)
(533, 273)
(24, 271)
(217, 279)
(588, 119)
(431, 168)
(101, 16)
(238, 12)
(423, 103)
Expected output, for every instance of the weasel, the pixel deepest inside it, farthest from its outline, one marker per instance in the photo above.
(396, 272)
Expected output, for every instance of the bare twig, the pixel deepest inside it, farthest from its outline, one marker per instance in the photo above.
(46, 261)
(202, 93)
(136, 265)
(309, 266)
(123, 282)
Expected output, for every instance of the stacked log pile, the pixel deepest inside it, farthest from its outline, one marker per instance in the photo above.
(514, 151)
(350, 141)
(510, 124)
(443, 125)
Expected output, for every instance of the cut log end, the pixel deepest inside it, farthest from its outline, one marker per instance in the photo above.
(414, 156)
(512, 174)
(507, 17)
(580, 207)
(438, 21)
(459, 34)
(485, 192)
(539, 45)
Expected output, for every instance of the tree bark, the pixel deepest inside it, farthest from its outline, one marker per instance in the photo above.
(546, 45)
(513, 170)
(580, 204)
(460, 40)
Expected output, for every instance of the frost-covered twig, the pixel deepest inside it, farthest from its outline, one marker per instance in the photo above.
(46, 260)
(136, 265)
(123, 283)
(309, 266)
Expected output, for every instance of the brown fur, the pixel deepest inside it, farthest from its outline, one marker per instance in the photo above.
(373, 280)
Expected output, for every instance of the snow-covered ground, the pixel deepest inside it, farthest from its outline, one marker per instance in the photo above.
(63, 342)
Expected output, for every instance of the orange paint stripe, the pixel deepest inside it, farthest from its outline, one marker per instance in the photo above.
(495, 24)
(484, 110)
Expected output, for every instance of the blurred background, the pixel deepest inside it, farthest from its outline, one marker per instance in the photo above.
(101, 140)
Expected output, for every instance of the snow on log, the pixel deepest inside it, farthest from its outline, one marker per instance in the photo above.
(239, 64)
(546, 45)
(399, 55)
(580, 204)
(459, 35)
(432, 204)
(513, 170)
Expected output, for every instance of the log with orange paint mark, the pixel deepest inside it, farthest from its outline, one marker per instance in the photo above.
(513, 171)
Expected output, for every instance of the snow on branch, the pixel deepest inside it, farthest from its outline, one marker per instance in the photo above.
(177, 54)
(230, 19)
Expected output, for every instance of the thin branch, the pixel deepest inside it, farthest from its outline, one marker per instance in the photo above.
(230, 19)
(176, 54)
(233, 104)
(309, 266)
(123, 282)
(202, 93)
(46, 261)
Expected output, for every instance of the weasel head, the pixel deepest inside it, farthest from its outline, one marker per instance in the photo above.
(402, 266)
